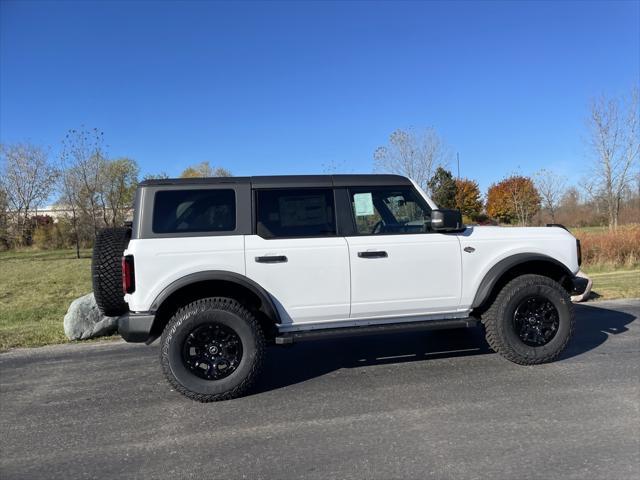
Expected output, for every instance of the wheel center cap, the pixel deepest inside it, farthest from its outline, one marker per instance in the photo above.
(213, 349)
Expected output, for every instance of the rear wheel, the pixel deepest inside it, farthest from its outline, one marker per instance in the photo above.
(530, 321)
(106, 270)
(212, 349)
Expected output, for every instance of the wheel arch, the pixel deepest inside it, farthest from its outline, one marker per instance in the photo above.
(214, 283)
(519, 264)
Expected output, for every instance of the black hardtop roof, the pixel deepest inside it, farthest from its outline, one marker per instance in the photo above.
(281, 181)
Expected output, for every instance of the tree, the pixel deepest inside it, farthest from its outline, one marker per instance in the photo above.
(203, 169)
(414, 154)
(83, 161)
(118, 184)
(156, 176)
(513, 199)
(468, 198)
(615, 146)
(27, 180)
(443, 188)
(5, 242)
(550, 186)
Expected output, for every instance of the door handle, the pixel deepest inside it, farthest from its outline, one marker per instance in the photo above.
(376, 254)
(271, 259)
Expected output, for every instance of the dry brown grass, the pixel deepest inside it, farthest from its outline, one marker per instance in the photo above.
(602, 248)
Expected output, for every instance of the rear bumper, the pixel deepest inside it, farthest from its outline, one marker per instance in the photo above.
(579, 285)
(136, 327)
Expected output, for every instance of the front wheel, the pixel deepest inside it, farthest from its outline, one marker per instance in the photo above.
(212, 349)
(530, 321)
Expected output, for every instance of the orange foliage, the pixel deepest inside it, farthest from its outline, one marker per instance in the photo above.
(468, 197)
(514, 199)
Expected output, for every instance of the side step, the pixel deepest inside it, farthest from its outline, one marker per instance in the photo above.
(289, 338)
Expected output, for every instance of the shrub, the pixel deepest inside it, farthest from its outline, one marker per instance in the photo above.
(619, 248)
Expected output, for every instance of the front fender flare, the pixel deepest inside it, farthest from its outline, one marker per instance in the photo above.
(506, 264)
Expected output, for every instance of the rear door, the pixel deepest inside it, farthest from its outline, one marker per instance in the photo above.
(296, 255)
(399, 268)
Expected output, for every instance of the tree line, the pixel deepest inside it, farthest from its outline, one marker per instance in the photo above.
(608, 194)
(88, 189)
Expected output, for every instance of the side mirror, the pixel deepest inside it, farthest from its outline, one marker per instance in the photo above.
(447, 221)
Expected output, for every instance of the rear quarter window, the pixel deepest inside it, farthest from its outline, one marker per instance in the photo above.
(194, 210)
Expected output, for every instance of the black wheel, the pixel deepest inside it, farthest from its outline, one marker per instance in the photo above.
(212, 349)
(106, 270)
(530, 321)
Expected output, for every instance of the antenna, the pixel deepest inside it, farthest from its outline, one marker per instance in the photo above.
(458, 157)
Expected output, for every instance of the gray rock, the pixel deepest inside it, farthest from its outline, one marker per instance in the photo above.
(84, 320)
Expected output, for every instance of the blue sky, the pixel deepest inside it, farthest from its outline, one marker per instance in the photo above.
(280, 88)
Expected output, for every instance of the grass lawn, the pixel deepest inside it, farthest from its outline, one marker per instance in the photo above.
(612, 283)
(36, 288)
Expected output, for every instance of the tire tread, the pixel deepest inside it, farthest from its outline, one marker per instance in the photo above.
(222, 303)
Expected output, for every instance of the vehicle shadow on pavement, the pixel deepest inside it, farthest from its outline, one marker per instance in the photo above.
(307, 360)
(593, 327)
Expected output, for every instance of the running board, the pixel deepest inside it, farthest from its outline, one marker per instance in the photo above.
(289, 338)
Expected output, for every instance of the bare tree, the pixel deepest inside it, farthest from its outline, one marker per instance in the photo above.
(613, 139)
(551, 187)
(27, 180)
(70, 199)
(415, 154)
(82, 158)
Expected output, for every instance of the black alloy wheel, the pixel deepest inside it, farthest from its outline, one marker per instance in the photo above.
(536, 320)
(212, 351)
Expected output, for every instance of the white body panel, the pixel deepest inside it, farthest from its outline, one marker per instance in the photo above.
(420, 275)
(493, 244)
(161, 261)
(312, 285)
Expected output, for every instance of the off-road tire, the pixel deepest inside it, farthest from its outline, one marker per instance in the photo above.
(498, 320)
(228, 312)
(106, 270)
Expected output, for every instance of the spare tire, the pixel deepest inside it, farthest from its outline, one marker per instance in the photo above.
(106, 270)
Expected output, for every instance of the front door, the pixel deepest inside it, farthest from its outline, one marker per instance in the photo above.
(297, 257)
(399, 268)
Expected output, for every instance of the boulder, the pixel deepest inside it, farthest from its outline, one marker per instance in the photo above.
(587, 292)
(84, 320)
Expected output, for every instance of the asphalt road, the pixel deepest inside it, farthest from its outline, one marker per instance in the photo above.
(429, 405)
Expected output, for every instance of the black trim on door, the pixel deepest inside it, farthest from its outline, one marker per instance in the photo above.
(345, 221)
(272, 259)
(375, 254)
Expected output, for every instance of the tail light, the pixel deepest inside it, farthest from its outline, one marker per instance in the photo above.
(128, 275)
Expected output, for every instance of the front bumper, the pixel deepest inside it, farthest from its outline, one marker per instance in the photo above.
(136, 327)
(579, 285)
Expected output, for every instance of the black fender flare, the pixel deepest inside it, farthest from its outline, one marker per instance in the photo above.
(267, 304)
(506, 264)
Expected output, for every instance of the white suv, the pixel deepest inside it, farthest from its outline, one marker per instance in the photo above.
(220, 267)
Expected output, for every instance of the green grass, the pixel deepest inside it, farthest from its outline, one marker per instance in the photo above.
(610, 283)
(36, 288)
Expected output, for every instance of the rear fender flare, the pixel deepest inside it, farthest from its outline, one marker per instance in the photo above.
(267, 304)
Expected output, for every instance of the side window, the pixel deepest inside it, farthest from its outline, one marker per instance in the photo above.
(195, 210)
(295, 213)
(389, 210)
